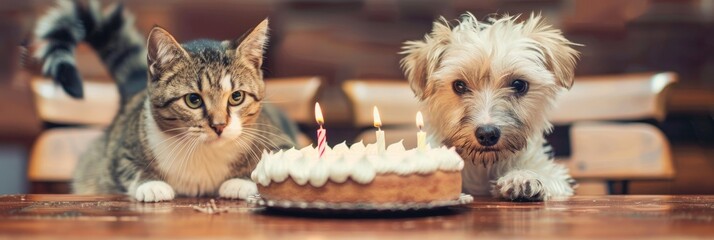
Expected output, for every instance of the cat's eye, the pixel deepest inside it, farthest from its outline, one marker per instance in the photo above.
(193, 100)
(520, 86)
(236, 98)
(459, 87)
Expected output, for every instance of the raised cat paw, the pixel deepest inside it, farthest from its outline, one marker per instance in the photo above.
(519, 185)
(237, 188)
(154, 191)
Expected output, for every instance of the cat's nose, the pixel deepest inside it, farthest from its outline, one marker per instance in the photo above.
(488, 135)
(218, 127)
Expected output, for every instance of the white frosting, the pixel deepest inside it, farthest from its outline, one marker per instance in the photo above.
(358, 162)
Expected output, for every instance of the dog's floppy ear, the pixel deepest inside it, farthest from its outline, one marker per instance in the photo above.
(423, 57)
(560, 57)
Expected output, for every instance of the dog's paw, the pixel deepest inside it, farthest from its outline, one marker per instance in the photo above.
(519, 185)
(237, 188)
(154, 191)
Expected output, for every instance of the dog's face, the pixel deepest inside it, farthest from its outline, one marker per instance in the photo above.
(487, 87)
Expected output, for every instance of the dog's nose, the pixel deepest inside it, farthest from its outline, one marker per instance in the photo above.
(488, 135)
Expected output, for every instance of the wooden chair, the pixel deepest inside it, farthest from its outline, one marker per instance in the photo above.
(607, 146)
(56, 151)
(607, 150)
(607, 154)
(615, 98)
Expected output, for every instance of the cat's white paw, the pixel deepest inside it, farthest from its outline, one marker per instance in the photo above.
(237, 188)
(154, 191)
(520, 185)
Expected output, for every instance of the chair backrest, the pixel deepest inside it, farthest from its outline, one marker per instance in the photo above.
(294, 96)
(56, 151)
(614, 97)
(639, 150)
(395, 100)
(619, 151)
(100, 103)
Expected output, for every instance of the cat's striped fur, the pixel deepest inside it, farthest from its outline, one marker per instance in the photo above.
(161, 145)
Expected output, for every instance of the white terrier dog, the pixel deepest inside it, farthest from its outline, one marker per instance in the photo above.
(486, 88)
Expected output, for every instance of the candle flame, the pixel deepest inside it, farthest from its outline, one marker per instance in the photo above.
(377, 120)
(419, 120)
(318, 114)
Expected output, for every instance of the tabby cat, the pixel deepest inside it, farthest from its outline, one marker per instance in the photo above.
(191, 121)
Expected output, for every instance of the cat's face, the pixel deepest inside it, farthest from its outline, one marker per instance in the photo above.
(206, 90)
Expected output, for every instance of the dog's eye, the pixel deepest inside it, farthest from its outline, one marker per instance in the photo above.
(519, 86)
(459, 87)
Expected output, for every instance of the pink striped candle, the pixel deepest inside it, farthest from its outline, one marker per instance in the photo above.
(321, 133)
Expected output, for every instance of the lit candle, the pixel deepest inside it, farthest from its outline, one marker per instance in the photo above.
(380, 134)
(321, 133)
(421, 135)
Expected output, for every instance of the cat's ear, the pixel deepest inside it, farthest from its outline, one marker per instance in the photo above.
(163, 48)
(251, 49)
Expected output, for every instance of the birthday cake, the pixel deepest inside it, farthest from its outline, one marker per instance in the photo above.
(360, 174)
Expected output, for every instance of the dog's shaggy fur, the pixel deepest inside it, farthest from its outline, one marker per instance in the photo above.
(464, 77)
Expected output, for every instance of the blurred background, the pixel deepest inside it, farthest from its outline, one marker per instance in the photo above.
(359, 39)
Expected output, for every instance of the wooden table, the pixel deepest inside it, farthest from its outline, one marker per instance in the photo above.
(95, 217)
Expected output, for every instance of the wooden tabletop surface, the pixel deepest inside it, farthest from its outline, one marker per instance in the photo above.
(63, 216)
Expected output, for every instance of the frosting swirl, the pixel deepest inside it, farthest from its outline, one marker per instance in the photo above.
(357, 162)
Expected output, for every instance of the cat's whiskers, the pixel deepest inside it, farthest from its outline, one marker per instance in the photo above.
(157, 152)
(265, 141)
(247, 150)
(260, 144)
(175, 129)
(171, 157)
(260, 124)
(254, 155)
(243, 144)
(195, 143)
(156, 146)
(250, 148)
(240, 146)
(259, 131)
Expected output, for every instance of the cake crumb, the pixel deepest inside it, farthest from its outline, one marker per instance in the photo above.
(210, 208)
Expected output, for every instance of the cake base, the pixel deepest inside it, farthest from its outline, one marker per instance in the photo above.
(389, 188)
(354, 209)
